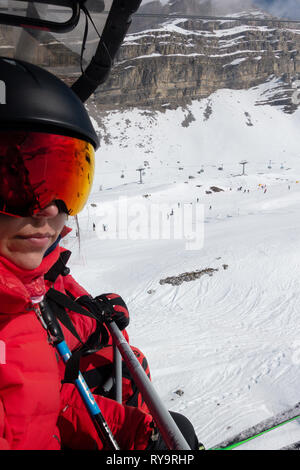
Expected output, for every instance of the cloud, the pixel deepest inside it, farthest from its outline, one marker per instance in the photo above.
(281, 8)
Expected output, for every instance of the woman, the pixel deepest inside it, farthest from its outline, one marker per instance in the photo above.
(47, 146)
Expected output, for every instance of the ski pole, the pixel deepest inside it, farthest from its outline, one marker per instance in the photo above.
(118, 374)
(56, 337)
(164, 421)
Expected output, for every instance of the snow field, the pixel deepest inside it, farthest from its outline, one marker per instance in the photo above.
(230, 341)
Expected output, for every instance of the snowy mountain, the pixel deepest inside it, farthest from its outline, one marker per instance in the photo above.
(187, 59)
(217, 314)
(185, 7)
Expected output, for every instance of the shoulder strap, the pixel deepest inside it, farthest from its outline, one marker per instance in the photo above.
(59, 310)
(59, 267)
(59, 302)
(66, 302)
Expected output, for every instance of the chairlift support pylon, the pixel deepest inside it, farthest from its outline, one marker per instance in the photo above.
(243, 163)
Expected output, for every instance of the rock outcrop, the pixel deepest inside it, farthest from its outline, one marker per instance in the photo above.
(178, 60)
(187, 59)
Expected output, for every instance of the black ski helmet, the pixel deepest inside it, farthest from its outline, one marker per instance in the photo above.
(32, 98)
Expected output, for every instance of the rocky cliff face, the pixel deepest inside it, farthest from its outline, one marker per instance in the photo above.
(188, 59)
(151, 14)
(178, 60)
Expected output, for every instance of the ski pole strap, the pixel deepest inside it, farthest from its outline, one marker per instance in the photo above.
(57, 339)
(164, 421)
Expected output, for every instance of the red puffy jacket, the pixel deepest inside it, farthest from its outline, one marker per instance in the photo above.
(36, 411)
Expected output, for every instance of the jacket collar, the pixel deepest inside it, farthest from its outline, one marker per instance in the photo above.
(18, 286)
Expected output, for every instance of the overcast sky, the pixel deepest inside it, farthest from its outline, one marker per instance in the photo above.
(281, 8)
(286, 8)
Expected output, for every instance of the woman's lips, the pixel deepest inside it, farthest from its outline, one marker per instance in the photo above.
(37, 239)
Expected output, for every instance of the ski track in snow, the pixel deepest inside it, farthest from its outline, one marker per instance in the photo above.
(229, 341)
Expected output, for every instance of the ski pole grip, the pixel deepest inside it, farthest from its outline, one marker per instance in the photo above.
(52, 325)
(164, 421)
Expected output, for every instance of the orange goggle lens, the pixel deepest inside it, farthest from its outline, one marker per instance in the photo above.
(37, 169)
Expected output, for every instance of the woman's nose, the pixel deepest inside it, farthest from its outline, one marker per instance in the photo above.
(48, 212)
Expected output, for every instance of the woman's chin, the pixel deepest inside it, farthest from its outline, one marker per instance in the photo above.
(27, 261)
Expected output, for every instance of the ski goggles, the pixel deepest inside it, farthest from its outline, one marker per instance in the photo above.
(37, 169)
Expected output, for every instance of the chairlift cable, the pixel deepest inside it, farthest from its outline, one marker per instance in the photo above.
(213, 18)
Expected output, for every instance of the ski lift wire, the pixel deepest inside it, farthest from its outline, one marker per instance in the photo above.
(214, 18)
(88, 17)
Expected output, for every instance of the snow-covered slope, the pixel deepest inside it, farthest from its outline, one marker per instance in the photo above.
(223, 348)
